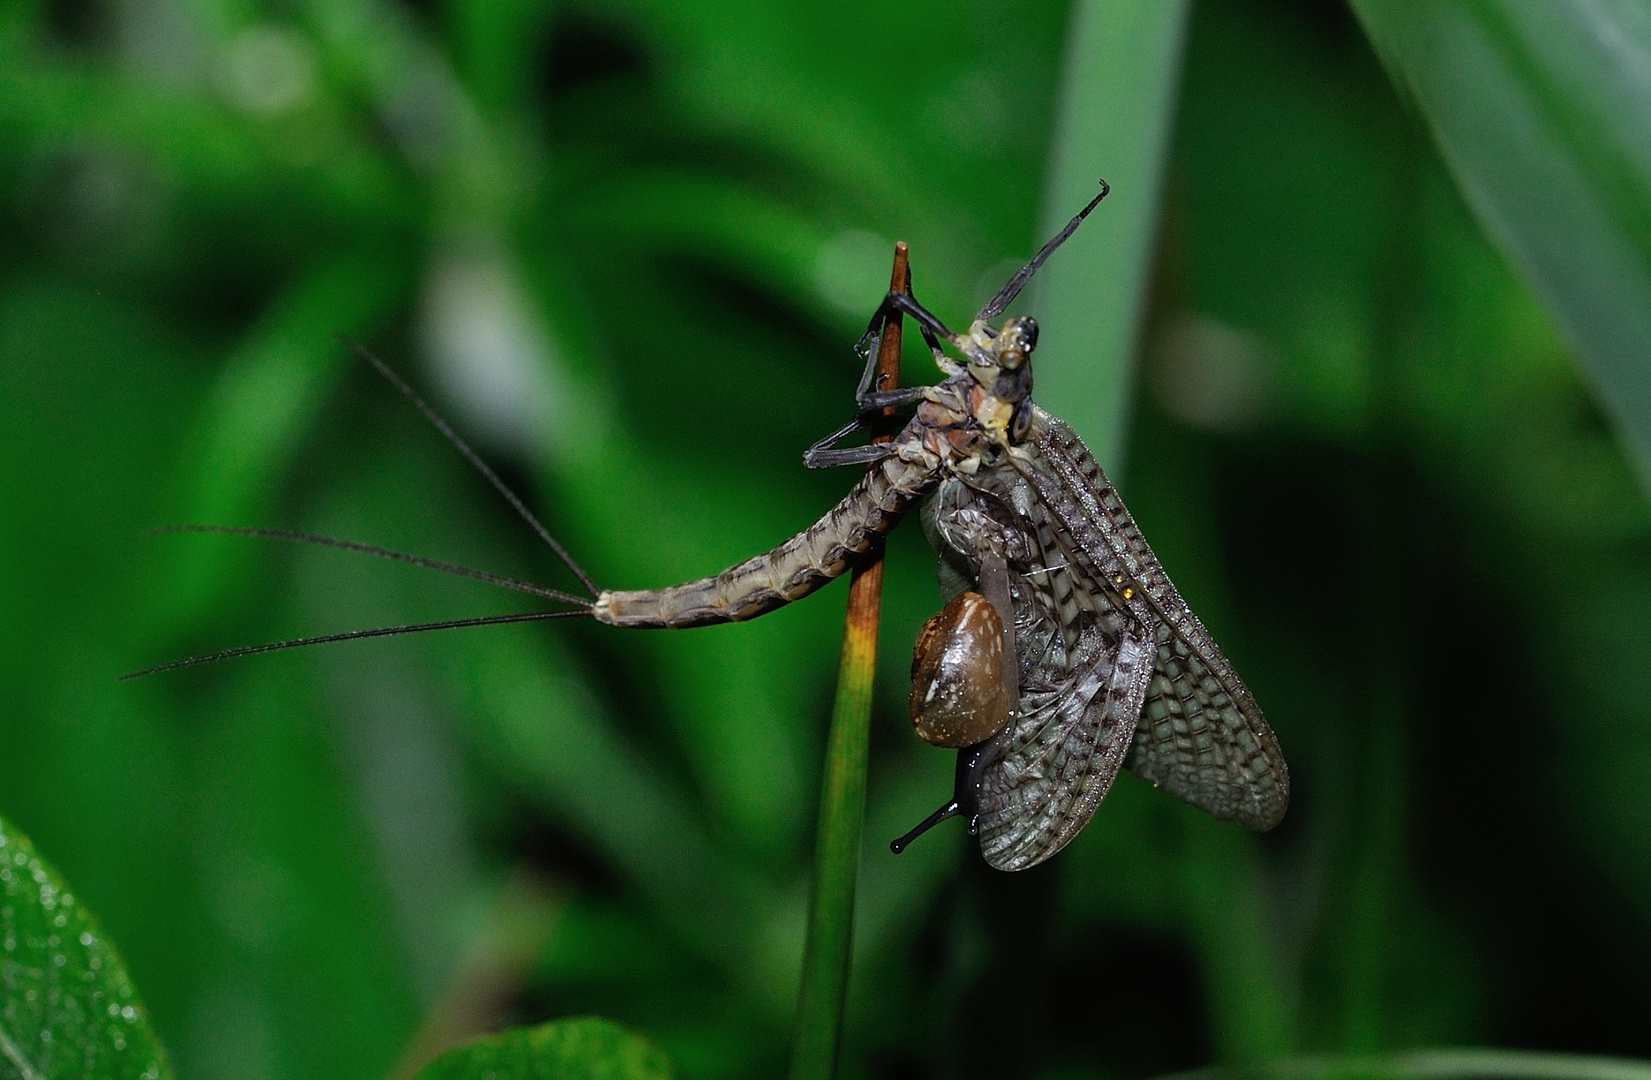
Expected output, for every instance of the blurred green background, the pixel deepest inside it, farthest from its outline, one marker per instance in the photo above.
(626, 245)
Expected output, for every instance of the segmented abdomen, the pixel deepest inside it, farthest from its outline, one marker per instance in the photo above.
(789, 572)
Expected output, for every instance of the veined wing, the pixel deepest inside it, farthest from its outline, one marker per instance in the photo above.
(1084, 665)
(1070, 736)
(1202, 737)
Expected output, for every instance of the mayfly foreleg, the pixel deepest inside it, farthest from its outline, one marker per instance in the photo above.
(822, 455)
(868, 395)
(928, 324)
(908, 304)
(872, 400)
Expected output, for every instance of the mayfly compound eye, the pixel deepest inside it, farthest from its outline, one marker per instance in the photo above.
(1029, 332)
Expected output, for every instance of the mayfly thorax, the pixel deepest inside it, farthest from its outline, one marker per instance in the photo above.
(1063, 652)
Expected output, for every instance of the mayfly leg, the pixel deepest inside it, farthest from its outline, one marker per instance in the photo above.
(928, 324)
(869, 396)
(823, 455)
(907, 304)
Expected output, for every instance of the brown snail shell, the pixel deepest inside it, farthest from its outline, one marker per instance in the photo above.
(957, 694)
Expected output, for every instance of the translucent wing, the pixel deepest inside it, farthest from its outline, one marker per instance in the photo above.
(1206, 745)
(1069, 739)
(1203, 739)
(1114, 669)
(1084, 668)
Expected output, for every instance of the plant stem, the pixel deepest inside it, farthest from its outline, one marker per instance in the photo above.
(829, 947)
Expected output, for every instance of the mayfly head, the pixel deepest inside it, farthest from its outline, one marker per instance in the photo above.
(1016, 341)
(1001, 362)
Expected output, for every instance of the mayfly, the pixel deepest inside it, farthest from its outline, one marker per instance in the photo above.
(1063, 652)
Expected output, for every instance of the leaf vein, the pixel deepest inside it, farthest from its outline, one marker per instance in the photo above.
(14, 1054)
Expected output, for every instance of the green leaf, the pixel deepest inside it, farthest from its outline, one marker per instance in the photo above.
(67, 1007)
(586, 1048)
(1543, 112)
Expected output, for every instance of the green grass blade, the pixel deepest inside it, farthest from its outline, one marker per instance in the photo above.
(828, 952)
(1543, 112)
(545, 731)
(837, 861)
(1117, 103)
(1451, 1063)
